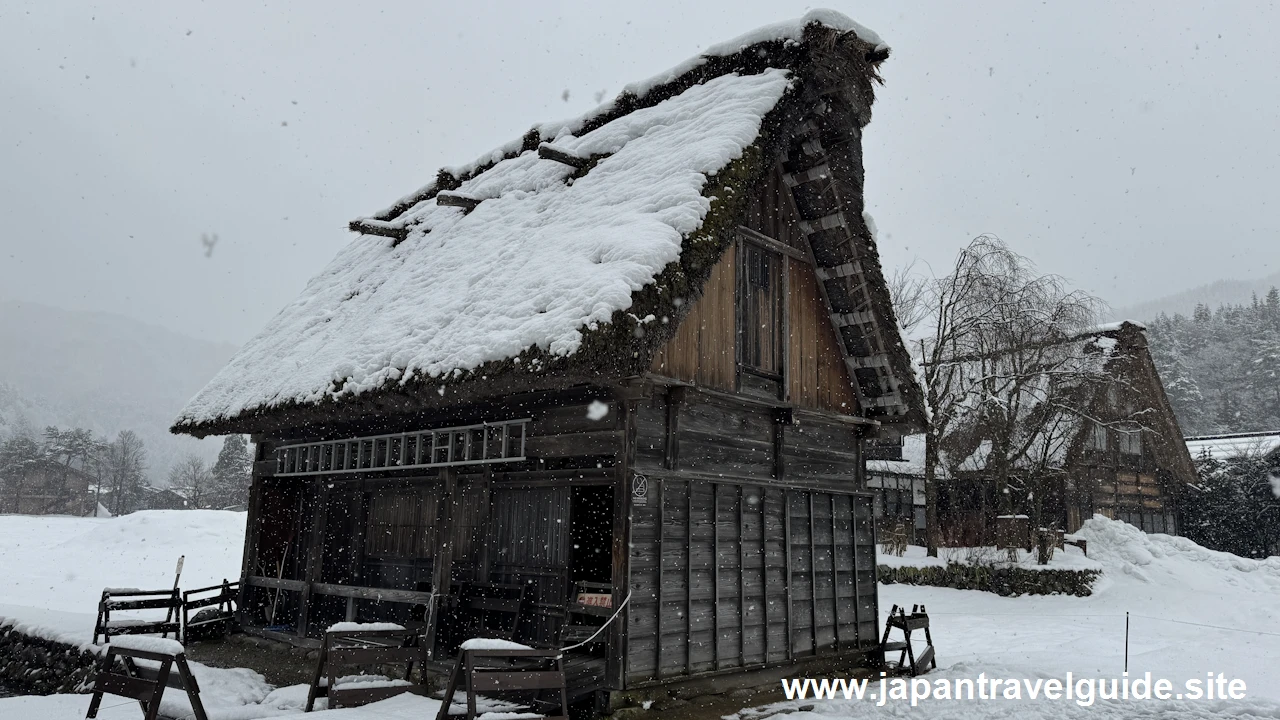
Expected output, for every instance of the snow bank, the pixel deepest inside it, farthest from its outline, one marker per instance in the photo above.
(1160, 559)
(532, 266)
(56, 567)
(1192, 610)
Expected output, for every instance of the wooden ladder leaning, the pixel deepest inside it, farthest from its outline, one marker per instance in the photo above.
(908, 661)
(498, 672)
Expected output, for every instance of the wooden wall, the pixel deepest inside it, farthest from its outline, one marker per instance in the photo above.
(704, 350)
(816, 374)
(727, 575)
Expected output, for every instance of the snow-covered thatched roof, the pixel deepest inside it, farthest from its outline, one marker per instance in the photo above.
(1096, 361)
(544, 259)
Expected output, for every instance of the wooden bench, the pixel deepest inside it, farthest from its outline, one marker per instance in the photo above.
(130, 599)
(523, 671)
(222, 597)
(353, 648)
(142, 683)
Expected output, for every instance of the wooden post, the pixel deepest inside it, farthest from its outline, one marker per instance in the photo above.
(786, 524)
(764, 565)
(616, 662)
(742, 578)
(661, 558)
(675, 398)
(315, 556)
(813, 578)
(715, 576)
(835, 574)
(688, 579)
(359, 515)
(442, 574)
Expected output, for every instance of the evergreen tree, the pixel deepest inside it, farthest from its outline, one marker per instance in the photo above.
(232, 473)
(1233, 508)
(1221, 368)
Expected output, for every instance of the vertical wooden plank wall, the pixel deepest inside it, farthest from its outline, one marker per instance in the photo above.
(728, 575)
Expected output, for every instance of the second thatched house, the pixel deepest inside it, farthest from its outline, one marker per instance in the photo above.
(628, 360)
(1118, 451)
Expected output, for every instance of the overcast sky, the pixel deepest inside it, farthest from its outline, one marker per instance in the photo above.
(1131, 148)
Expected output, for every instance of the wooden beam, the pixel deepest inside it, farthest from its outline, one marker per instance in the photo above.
(459, 200)
(769, 243)
(369, 226)
(547, 151)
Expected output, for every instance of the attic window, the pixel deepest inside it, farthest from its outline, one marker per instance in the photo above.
(1129, 442)
(760, 311)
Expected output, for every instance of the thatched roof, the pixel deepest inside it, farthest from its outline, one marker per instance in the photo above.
(1098, 359)
(569, 256)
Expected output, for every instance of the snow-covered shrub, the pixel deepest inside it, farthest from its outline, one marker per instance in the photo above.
(1010, 581)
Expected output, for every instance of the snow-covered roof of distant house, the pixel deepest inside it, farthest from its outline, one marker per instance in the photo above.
(1225, 447)
(1097, 348)
(912, 462)
(531, 259)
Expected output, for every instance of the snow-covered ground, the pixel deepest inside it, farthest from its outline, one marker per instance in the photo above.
(55, 567)
(1193, 611)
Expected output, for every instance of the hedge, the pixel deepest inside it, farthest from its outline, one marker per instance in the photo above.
(1006, 581)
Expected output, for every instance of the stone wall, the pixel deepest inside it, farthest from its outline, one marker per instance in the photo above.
(38, 666)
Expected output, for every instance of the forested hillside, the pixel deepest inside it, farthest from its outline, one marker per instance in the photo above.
(1221, 368)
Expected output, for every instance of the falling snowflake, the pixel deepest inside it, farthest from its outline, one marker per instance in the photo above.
(597, 410)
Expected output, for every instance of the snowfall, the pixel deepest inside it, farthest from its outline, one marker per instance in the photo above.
(1191, 611)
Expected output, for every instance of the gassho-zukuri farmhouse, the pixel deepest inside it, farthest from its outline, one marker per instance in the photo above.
(633, 357)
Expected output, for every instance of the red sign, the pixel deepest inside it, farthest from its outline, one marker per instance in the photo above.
(604, 600)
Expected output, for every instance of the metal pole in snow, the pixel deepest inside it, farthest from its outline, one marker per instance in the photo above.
(1126, 641)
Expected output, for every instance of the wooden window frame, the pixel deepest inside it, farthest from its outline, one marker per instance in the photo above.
(783, 254)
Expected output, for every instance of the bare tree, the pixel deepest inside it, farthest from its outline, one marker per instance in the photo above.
(127, 465)
(909, 292)
(192, 476)
(1006, 382)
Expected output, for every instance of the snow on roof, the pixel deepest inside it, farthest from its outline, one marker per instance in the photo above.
(532, 265)
(1224, 447)
(786, 31)
(912, 462)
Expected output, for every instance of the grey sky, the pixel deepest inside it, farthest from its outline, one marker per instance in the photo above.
(1132, 148)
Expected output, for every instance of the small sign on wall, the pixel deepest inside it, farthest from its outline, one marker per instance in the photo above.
(604, 600)
(639, 490)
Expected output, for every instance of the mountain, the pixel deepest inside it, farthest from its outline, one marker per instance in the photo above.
(1221, 292)
(103, 372)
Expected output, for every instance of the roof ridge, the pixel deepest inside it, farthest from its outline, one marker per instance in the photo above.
(717, 60)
